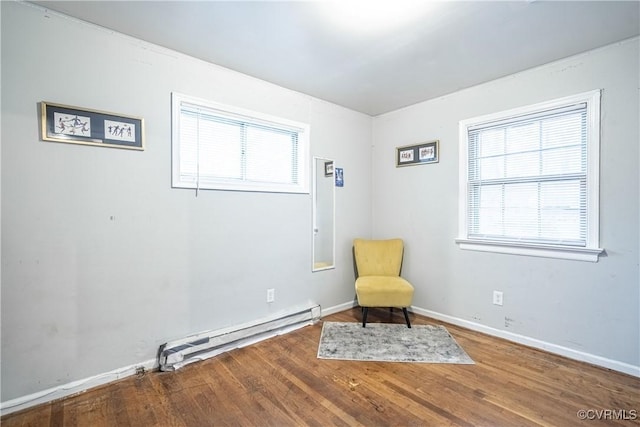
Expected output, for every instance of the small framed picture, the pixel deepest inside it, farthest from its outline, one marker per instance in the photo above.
(426, 152)
(73, 125)
(339, 177)
(328, 168)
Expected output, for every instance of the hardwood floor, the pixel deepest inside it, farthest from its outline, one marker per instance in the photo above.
(280, 382)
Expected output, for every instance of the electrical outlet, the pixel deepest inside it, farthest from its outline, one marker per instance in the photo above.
(271, 295)
(497, 297)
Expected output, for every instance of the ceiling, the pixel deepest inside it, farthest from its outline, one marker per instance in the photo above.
(419, 49)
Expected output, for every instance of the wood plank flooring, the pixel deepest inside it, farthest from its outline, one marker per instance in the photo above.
(280, 382)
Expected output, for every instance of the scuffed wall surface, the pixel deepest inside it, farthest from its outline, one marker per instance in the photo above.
(102, 261)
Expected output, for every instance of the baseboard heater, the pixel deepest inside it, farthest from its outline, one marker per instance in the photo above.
(175, 354)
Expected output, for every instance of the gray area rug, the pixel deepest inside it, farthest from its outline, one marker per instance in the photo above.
(387, 342)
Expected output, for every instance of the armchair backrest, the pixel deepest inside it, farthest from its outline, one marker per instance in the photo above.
(378, 257)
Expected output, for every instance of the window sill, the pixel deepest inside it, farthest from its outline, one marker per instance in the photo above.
(545, 251)
(254, 187)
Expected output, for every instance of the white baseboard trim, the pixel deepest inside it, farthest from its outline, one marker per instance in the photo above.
(338, 308)
(85, 384)
(72, 388)
(535, 343)
(82, 385)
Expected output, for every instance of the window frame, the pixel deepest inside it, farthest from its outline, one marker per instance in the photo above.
(591, 251)
(247, 116)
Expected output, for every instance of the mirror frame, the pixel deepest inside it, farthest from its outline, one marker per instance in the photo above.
(314, 225)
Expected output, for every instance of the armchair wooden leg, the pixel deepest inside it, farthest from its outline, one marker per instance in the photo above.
(365, 311)
(406, 316)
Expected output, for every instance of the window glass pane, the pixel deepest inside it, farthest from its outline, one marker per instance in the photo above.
(562, 131)
(560, 224)
(492, 167)
(521, 210)
(490, 210)
(491, 142)
(523, 138)
(220, 149)
(522, 165)
(188, 147)
(560, 208)
(269, 156)
(533, 209)
(559, 161)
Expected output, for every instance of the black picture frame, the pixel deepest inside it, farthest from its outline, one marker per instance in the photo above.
(419, 154)
(328, 168)
(75, 125)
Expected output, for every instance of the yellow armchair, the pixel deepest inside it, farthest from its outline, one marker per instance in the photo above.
(378, 281)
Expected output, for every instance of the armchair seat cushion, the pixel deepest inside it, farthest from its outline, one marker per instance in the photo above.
(383, 291)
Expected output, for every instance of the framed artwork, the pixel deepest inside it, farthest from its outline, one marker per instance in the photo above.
(426, 152)
(328, 168)
(63, 123)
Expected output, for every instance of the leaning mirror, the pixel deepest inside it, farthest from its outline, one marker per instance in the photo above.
(323, 214)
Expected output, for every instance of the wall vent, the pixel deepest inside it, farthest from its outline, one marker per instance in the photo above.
(175, 354)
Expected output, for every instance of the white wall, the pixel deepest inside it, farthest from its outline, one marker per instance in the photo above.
(102, 261)
(587, 307)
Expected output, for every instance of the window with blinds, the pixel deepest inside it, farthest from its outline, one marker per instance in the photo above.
(530, 179)
(225, 148)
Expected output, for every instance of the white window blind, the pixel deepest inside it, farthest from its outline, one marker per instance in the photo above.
(530, 177)
(222, 147)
